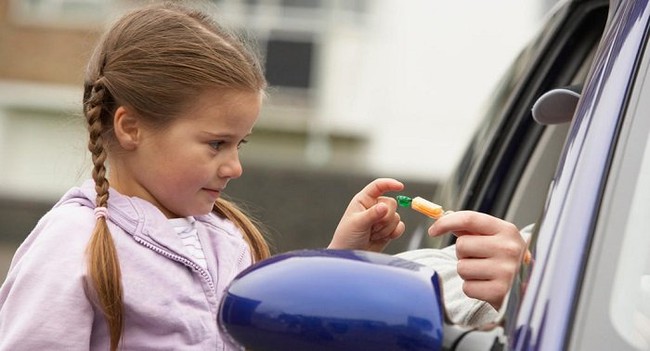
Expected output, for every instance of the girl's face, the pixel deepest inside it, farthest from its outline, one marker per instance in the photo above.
(184, 168)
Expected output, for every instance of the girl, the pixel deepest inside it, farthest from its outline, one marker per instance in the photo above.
(139, 256)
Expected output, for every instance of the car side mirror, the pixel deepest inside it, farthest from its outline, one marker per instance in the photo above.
(334, 300)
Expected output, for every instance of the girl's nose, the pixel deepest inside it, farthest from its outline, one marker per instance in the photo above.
(231, 168)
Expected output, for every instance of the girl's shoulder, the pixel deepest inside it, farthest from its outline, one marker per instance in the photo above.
(57, 243)
(66, 224)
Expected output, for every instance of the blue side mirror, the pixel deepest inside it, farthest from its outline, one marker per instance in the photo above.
(334, 300)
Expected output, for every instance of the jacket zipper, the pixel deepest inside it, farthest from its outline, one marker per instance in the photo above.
(195, 267)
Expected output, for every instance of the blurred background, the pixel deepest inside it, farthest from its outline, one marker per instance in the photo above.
(359, 89)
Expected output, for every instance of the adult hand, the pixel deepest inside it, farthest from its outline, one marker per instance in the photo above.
(371, 220)
(489, 252)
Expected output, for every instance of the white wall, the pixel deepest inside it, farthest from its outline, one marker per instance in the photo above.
(421, 75)
(43, 140)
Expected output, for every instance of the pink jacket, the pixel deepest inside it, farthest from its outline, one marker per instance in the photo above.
(170, 302)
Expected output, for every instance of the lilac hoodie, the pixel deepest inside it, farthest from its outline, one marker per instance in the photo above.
(170, 302)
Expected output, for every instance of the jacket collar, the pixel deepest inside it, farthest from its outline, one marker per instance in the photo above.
(134, 215)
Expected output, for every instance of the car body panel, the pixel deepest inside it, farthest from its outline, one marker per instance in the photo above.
(613, 301)
(570, 216)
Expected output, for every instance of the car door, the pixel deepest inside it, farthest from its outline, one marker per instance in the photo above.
(588, 288)
(613, 304)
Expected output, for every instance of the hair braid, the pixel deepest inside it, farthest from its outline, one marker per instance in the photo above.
(104, 268)
(96, 140)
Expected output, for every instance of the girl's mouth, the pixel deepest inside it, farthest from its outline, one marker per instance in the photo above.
(213, 192)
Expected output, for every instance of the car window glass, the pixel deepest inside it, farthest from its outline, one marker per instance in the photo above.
(504, 90)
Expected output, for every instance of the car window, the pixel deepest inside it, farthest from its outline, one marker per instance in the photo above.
(530, 156)
(497, 102)
(497, 105)
(528, 197)
(511, 159)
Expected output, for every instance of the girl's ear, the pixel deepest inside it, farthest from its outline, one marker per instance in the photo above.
(127, 129)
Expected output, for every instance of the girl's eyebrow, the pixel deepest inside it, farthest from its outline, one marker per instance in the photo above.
(224, 135)
(215, 135)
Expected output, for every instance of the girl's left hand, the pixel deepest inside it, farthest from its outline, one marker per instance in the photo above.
(371, 220)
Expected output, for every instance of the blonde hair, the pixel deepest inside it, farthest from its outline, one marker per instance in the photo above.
(155, 60)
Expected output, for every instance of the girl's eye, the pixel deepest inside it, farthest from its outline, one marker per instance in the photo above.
(217, 145)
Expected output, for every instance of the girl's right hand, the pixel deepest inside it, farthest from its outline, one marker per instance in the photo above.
(371, 220)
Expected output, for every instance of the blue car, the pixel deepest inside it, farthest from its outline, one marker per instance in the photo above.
(579, 169)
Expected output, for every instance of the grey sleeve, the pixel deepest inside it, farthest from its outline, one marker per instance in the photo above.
(460, 308)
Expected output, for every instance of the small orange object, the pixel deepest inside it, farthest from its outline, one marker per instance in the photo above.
(427, 208)
(528, 257)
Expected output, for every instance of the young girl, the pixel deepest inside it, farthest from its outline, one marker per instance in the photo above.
(139, 256)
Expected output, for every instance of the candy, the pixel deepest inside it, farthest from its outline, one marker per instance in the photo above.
(421, 205)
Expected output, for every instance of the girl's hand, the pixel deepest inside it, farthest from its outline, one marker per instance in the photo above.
(489, 252)
(371, 221)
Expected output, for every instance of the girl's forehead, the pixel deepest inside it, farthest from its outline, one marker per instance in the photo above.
(225, 107)
(225, 99)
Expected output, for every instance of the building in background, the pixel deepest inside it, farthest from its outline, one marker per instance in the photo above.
(359, 89)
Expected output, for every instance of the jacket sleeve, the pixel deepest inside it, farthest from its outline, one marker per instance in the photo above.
(43, 301)
(462, 309)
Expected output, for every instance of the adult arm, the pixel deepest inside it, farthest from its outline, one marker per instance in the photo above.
(489, 251)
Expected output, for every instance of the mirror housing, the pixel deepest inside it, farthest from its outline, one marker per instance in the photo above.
(334, 300)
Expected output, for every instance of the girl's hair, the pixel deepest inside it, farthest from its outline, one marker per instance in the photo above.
(155, 60)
